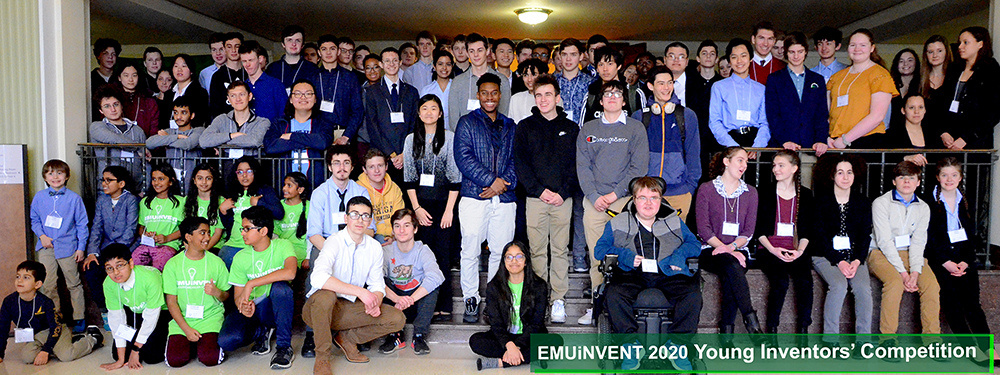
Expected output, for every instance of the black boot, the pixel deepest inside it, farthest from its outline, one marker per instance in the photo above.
(309, 346)
(803, 339)
(726, 333)
(752, 323)
(772, 336)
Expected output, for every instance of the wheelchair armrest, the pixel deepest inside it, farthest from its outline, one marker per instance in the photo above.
(692, 264)
(609, 265)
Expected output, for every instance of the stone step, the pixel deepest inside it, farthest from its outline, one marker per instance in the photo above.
(578, 282)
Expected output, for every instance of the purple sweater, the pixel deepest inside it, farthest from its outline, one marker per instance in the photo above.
(712, 209)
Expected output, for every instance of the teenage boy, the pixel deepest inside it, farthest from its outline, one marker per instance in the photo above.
(106, 51)
(134, 297)
(180, 142)
(503, 50)
(264, 300)
(390, 113)
(329, 200)
(386, 196)
(544, 154)
(675, 58)
(593, 43)
(795, 99)
(217, 46)
(195, 283)
(228, 74)
(412, 278)
(421, 73)
(736, 113)
(270, 96)
(59, 220)
(464, 88)
(345, 53)
(484, 142)
(115, 128)
(523, 49)
(828, 41)
(610, 152)
(310, 52)
(700, 87)
(241, 127)
(290, 68)
(338, 93)
(152, 61)
(347, 291)
(764, 63)
(674, 143)
(572, 84)
(360, 53)
(609, 63)
(37, 332)
(116, 216)
(461, 52)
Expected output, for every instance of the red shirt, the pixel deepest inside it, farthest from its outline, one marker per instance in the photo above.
(759, 72)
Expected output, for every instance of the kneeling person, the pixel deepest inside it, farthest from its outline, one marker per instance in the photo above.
(134, 298)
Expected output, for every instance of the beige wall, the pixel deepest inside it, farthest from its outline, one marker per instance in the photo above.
(20, 82)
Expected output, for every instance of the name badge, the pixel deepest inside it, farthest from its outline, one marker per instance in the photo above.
(147, 240)
(473, 105)
(954, 106)
(52, 221)
(427, 180)
(649, 265)
(841, 242)
(22, 335)
(902, 241)
(785, 229)
(124, 332)
(326, 106)
(173, 124)
(236, 153)
(194, 312)
(842, 101)
(288, 91)
(742, 115)
(731, 229)
(957, 235)
(127, 154)
(396, 117)
(338, 218)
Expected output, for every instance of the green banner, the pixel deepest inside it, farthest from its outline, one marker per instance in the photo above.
(762, 353)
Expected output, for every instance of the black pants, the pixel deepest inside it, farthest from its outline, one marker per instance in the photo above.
(733, 280)
(683, 293)
(441, 242)
(155, 348)
(960, 301)
(778, 273)
(488, 345)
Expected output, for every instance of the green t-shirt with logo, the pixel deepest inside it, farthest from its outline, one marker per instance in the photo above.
(146, 293)
(286, 227)
(249, 264)
(203, 212)
(163, 216)
(186, 279)
(235, 238)
(516, 327)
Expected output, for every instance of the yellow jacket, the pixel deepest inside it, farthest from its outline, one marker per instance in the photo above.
(385, 203)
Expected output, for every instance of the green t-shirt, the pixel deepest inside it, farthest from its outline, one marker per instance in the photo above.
(146, 293)
(515, 320)
(249, 264)
(186, 279)
(162, 217)
(286, 228)
(203, 212)
(235, 238)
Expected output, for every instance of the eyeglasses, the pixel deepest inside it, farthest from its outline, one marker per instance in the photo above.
(247, 229)
(372, 68)
(115, 268)
(112, 105)
(613, 94)
(354, 215)
(337, 163)
(676, 57)
(109, 179)
(307, 94)
(347, 50)
(539, 55)
(518, 257)
(647, 199)
(248, 172)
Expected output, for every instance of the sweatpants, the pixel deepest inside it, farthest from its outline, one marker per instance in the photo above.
(156, 256)
(180, 350)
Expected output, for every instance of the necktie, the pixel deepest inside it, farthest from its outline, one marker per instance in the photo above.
(343, 207)
(394, 95)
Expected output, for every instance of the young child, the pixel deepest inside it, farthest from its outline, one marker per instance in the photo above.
(412, 280)
(386, 196)
(195, 282)
(180, 142)
(115, 218)
(204, 198)
(37, 331)
(59, 219)
(159, 215)
(134, 296)
(293, 226)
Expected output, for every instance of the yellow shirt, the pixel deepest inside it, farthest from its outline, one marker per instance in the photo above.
(858, 87)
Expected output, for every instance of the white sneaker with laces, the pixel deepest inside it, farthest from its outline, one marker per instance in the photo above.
(587, 318)
(558, 311)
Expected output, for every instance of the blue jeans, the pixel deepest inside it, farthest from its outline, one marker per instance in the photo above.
(227, 253)
(421, 312)
(275, 311)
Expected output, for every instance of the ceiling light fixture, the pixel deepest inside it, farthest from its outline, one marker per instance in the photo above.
(533, 15)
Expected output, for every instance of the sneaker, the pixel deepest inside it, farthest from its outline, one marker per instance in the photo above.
(587, 318)
(471, 310)
(678, 362)
(263, 344)
(633, 361)
(309, 346)
(890, 343)
(365, 347)
(420, 345)
(580, 265)
(558, 311)
(441, 318)
(80, 326)
(98, 336)
(282, 358)
(393, 342)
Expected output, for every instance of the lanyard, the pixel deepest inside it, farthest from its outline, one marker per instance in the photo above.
(336, 82)
(55, 200)
(31, 312)
(736, 209)
(187, 291)
(138, 102)
(135, 280)
(736, 93)
(852, 82)
(791, 211)
(283, 63)
(428, 149)
(390, 106)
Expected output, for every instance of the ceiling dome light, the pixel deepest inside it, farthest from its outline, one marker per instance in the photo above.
(533, 16)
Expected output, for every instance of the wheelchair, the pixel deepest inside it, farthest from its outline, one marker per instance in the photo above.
(653, 312)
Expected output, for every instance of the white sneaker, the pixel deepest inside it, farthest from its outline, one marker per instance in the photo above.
(558, 311)
(587, 318)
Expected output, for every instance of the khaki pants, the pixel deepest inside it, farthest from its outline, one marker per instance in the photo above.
(892, 293)
(593, 228)
(69, 270)
(65, 349)
(549, 225)
(324, 311)
(681, 203)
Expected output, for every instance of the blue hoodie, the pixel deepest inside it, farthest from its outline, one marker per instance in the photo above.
(678, 164)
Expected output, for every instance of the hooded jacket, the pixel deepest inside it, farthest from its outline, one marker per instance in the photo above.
(676, 242)
(384, 203)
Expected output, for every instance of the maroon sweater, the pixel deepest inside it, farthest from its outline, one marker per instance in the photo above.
(712, 209)
(759, 72)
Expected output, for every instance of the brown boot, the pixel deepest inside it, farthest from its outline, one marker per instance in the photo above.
(322, 366)
(350, 349)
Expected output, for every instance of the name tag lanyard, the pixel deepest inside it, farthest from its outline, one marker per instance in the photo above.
(336, 84)
(55, 213)
(791, 213)
(293, 75)
(187, 291)
(735, 208)
(19, 312)
(300, 158)
(423, 160)
(841, 85)
(736, 93)
(134, 319)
